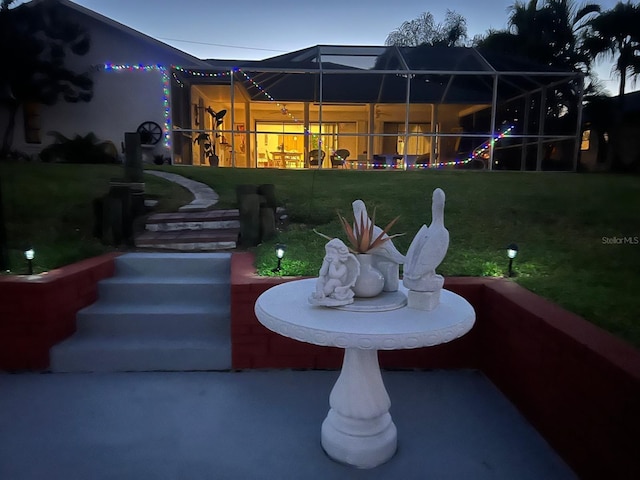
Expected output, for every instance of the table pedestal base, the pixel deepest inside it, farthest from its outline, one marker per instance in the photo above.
(358, 429)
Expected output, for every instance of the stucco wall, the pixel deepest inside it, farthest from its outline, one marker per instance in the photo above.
(122, 100)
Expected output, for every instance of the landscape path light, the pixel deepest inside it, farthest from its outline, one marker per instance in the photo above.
(281, 248)
(512, 251)
(29, 254)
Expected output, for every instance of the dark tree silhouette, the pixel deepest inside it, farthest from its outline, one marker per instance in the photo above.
(424, 31)
(549, 32)
(35, 41)
(615, 35)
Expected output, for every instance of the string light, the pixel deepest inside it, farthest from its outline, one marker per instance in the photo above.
(195, 73)
(178, 81)
(166, 91)
(166, 95)
(474, 155)
(282, 107)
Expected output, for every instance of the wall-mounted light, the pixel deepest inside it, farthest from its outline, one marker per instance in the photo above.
(280, 250)
(29, 254)
(512, 252)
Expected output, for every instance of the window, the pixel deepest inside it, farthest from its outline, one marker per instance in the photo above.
(586, 136)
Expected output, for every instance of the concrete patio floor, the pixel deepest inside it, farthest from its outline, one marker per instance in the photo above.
(255, 425)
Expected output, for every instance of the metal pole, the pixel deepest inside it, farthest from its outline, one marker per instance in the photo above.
(233, 121)
(406, 121)
(494, 108)
(541, 117)
(434, 129)
(320, 146)
(578, 141)
(525, 129)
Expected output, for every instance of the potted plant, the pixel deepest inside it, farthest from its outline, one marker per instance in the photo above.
(365, 238)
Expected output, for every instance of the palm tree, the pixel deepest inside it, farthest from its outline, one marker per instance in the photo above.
(547, 32)
(616, 33)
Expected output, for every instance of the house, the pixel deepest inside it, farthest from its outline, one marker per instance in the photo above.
(606, 144)
(131, 86)
(323, 106)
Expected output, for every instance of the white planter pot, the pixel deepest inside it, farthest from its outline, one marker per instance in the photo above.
(370, 282)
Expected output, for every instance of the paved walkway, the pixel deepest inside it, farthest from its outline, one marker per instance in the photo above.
(203, 196)
(255, 425)
(195, 226)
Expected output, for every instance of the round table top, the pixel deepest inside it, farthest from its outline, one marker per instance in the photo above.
(285, 309)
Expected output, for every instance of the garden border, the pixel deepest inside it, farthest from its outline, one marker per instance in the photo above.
(578, 385)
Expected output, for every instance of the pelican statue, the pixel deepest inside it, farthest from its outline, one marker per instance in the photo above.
(387, 257)
(427, 251)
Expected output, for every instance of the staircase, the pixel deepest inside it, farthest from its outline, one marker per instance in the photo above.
(161, 311)
(191, 231)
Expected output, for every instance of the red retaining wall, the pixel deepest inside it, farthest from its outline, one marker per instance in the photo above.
(38, 311)
(577, 384)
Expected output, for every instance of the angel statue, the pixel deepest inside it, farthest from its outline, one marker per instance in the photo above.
(337, 276)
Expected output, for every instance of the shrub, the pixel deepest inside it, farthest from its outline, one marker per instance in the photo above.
(80, 149)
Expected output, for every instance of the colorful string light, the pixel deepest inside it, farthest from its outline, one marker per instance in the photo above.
(166, 95)
(474, 155)
(166, 91)
(195, 73)
(282, 107)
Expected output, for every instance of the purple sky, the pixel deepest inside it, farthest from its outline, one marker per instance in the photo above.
(256, 29)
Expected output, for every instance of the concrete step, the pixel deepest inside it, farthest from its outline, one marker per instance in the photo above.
(210, 219)
(195, 225)
(173, 290)
(189, 240)
(159, 312)
(192, 265)
(208, 230)
(141, 353)
(155, 320)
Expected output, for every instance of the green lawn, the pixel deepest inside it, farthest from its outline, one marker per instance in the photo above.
(49, 207)
(557, 220)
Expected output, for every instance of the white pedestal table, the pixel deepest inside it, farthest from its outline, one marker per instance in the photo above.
(358, 429)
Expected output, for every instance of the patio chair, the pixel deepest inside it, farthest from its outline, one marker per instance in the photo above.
(313, 157)
(422, 160)
(339, 158)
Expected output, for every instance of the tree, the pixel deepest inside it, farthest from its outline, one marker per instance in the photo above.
(34, 43)
(548, 32)
(616, 33)
(424, 31)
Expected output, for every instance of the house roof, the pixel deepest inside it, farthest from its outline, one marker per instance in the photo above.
(379, 74)
(188, 59)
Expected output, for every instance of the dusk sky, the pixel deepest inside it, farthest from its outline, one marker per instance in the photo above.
(256, 29)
